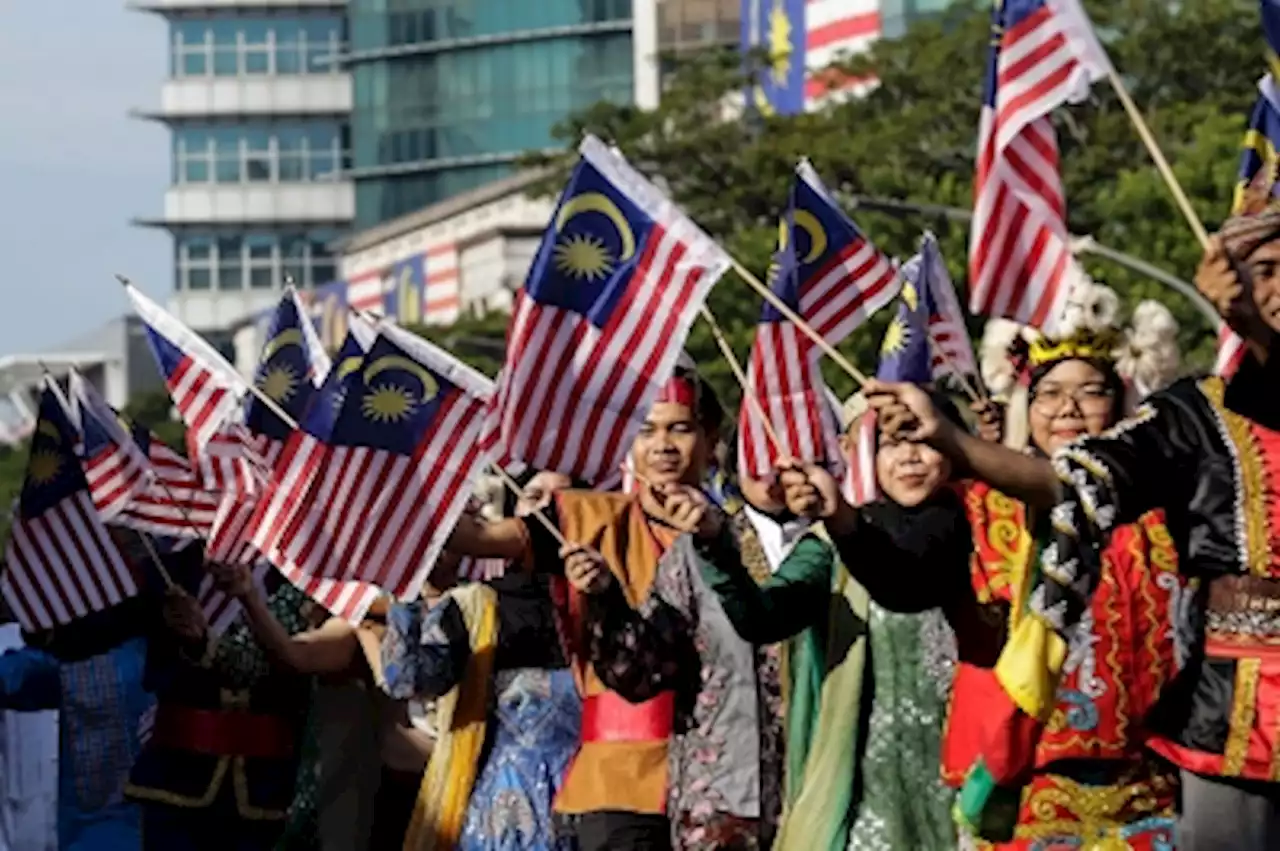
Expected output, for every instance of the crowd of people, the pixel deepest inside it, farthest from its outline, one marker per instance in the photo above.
(1054, 628)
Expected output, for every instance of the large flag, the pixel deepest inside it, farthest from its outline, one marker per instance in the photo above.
(833, 278)
(600, 321)
(62, 564)
(207, 392)
(372, 502)
(1043, 55)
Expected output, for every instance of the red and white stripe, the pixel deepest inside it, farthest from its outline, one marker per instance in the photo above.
(834, 29)
(441, 293)
(784, 370)
(952, 348)
(859, 485)
(481, 569)
(174, 503)
(572, 396)
(221, 610)
(63, 565)
(1231, 351)
(1020, 262)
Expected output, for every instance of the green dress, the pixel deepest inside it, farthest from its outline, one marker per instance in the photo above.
(904, 803)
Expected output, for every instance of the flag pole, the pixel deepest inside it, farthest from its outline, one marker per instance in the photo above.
(773, 299)
(738, 373)
(515, 488)
(1153, 148)
(249, 385)
(977, 395)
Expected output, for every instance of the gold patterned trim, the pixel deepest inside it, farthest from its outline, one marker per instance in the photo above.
(1243, 711)
(1250, 507)
(173, 799)
(240, 780)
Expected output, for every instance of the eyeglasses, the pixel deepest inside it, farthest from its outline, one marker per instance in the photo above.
(1089, 398)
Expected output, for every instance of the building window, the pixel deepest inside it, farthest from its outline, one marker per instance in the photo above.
(257, 153)
(250, 46)
(257, 260)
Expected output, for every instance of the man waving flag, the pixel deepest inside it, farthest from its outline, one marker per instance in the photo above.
(602, 317)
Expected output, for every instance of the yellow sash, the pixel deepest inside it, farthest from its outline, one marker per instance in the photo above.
(462, 715)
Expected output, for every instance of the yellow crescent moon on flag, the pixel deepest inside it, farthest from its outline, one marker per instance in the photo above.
(348, 366)
(807, 221)
(429, 386)
(784, 234)
(50, 430)
(291, 337)
(595, 202)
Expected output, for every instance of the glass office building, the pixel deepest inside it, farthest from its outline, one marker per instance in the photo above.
(448, 94)
(257, 105)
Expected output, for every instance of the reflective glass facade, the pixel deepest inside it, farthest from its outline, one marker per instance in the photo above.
(300, 48)
(257, 153)
(254, 45)
(448, 93)
(256, 259)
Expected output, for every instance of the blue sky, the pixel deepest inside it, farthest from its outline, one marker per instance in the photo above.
(74, 168)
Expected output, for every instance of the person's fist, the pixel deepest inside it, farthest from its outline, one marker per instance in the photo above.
(990, 417)
(810, 491)
(234, 580)
(585, 569)
(684, 508)
(1217, 280)
(903, 411)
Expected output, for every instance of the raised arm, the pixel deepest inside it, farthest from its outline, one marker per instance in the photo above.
(789, 601)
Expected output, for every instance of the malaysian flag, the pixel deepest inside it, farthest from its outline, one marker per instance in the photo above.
(206, 390)
(371, 502)
(292, 365)
(952, 347)
(597, 328)
(62, 564)
(859, 484)
(1230, 353)
(1043, 55)
(834, 278)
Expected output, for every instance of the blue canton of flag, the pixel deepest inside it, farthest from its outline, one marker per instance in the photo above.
(596, 330)
(905, 353)
(291, 366)
(776, 27)
(589, 255)
(404, 290)
(62, 564)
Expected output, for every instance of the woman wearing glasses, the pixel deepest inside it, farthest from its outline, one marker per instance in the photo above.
(1082, 776)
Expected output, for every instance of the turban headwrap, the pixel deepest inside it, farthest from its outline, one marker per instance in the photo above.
(1255, 223)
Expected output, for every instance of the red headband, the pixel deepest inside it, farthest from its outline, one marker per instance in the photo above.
(680, 391)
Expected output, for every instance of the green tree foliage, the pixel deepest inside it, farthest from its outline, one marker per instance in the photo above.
(1191, 66)
(154, 410)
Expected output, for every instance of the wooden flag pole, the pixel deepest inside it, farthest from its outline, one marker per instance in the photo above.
(740, 374)
(249, 385)
(1153, 148)
(772, 297)
(515, 488)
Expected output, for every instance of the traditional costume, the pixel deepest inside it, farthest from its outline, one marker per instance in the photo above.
(673, 734)
(1207, 454)
(219, 769)
(1090, 778)
(507, 717)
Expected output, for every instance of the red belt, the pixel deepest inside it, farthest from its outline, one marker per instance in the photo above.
(607, 717)
(223, 732)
